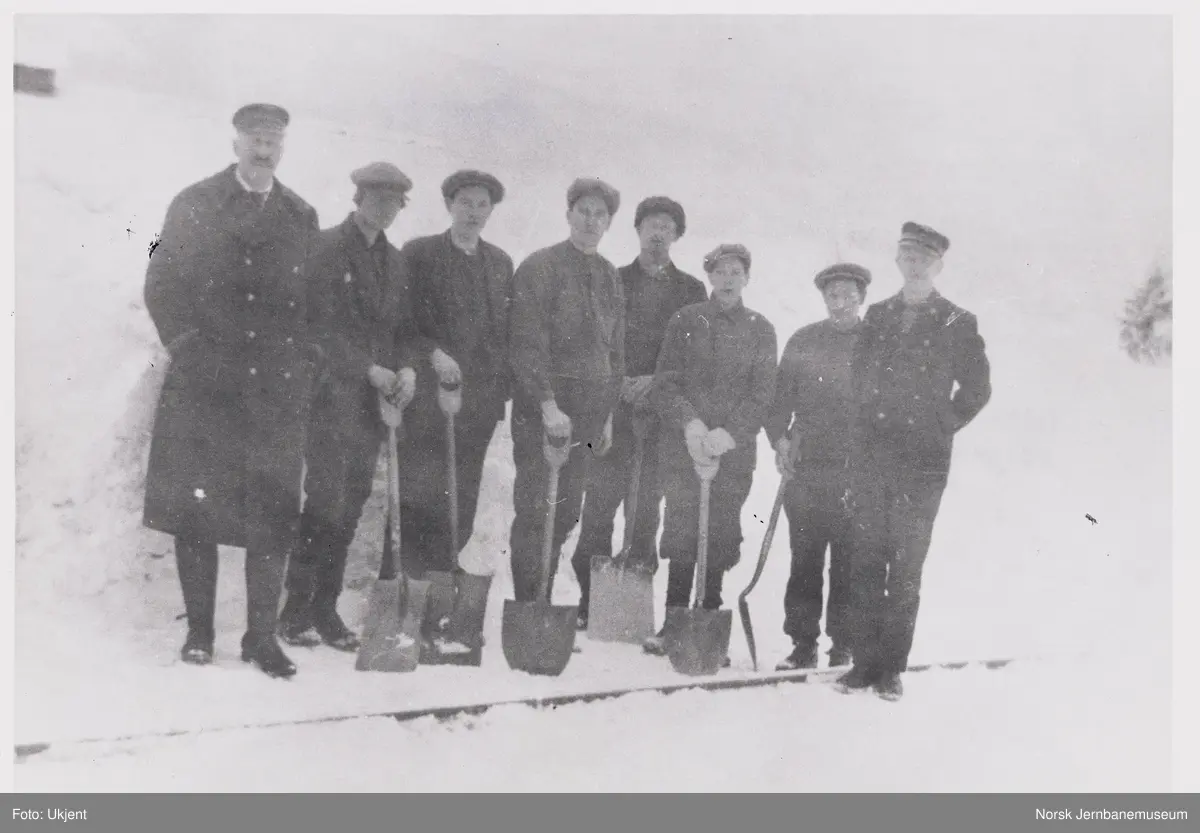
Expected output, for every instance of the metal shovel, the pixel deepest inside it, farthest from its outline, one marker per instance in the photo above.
(621, 598)
(538, 637)
(700, 641)
(392, 629)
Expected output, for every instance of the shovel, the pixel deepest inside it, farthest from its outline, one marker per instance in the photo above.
(392, 630)
(700, 641)
(457, 633)
(743, 605)
(538, 637)
(621, 599)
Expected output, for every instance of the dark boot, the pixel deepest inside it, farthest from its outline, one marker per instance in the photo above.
(581, 619)
(334, 633)
(462, 642)
(857, 678)
(265, 652)
(802, 656)
(839, 656)
(296, 622)
(889, 687)
(197, 563)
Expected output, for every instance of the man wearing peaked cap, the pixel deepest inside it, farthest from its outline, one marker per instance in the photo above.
(458, 180)
(567, 350)
(461, 289)
(921, 373)
(227, 291)
(809, 428)
(362, 311)
(713, 387)
(655, 289)
(586, 186)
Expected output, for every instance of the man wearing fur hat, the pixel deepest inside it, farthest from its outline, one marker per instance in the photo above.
(361, 309)
(810, 430)
(226, 288)
(567, 350)
(461, 292)
(713, 388)
(921, 374)
(655, 289)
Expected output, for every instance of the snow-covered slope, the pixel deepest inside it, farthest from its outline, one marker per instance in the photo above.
(1056, 198)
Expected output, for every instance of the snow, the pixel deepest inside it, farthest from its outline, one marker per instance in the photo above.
(1051, 234)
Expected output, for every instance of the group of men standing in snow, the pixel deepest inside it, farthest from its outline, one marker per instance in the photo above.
(286, 342)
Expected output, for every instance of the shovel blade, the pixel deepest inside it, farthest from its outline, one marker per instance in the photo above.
(538, 637)
(465, 627)
(391, 640)
(439, 604)
(620, 603)
(748, 629)
(700, 642)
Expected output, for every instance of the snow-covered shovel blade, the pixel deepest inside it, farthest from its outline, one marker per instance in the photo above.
(743, 605)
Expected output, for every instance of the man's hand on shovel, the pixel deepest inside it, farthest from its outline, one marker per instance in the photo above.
(446, 368)
(395, 397)
(556, 423)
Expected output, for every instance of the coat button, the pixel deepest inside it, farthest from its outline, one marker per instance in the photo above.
(348, 278)
(295, 270)
(882, 416)
(250, 297)
(287, 375)
(291, 303)
(289, 339)
(250, 334)
(254, 371)
(249, 261)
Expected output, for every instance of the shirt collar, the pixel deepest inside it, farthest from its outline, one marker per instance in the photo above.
(736, 313)
(237, 173)
(662, 274)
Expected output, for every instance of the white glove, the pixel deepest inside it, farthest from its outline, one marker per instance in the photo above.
(406, 384)
(556, 423)
(445, 367)
(718, 442)
(694, 434)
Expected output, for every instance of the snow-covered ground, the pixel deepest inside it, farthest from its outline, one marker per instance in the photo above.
(1054, 187)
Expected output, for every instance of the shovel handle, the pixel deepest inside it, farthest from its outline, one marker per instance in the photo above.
(766, 544)
(706, 471)
(452, 483)
(556, 450)
(393, 471)
(631, 500)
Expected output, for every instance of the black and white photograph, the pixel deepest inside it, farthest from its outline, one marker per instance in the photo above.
(594, 403)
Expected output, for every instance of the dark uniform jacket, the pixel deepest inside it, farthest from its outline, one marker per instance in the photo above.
(567, 330)
(227, 290)
(362, 315)
(814, 393)
(468, 322)
(718, 367)
(915, 389)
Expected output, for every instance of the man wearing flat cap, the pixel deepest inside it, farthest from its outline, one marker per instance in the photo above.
(227, 290)
(361, 308)
(921, 373)
(809, 428)
(567, 350)
(655, 289)
(713, 388)
(461, 291)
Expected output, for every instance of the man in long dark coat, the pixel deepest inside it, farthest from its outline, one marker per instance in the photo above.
(362, 313)
(227, 290)
(655, 289)
(921, 374)
(567, 348)
(461, 291)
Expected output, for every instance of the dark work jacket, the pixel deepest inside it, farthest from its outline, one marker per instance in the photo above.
(227, 289)
(649, 304)
(361, 319)
(718, 367)
(451, 314)
(915, 390)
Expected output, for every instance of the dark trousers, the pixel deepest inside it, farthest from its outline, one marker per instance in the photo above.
(341, 472)
(681, 517)
(607, 489)
(266, 560)
(582, 405)
(818, 519)
(425, 540)
(682, 577)
(894, 508)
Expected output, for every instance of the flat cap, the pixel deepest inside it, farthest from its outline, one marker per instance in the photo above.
(590, 186)
(260, 116)
(661, 205)
(844, 272)
(465, 179)
(381, 176)
(925, 237)
(727, 250)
